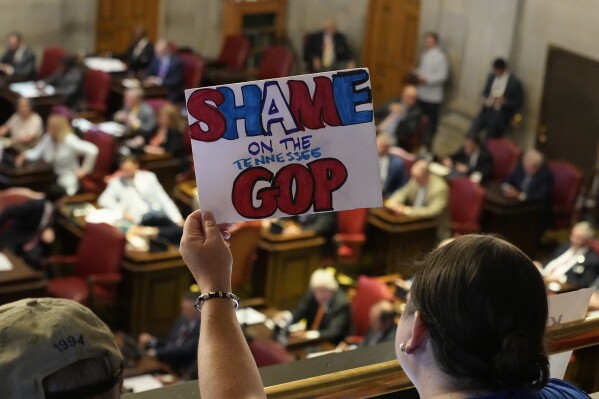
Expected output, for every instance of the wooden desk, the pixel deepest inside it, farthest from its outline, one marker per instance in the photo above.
(185, 194)
(35, 176)
(150, 294)
(395, 241)
(42, 104)
(284, 266)
(20, 282)
(516, 221)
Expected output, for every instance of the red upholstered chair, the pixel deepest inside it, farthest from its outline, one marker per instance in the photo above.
(96, 267)
(157, 103)
(595, 246)
(193, 70)
(96, 87)
(243, 244)
(505, 155)
(567, 181)
(466, 200)
(416, 137)
(277, 62)
(94, 182)
(369, 290)
(267, 352)
(350, 234)
(234, 52)
(51, 59)
(14, 196)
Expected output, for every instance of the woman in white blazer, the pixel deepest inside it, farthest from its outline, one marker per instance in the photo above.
(62, 149)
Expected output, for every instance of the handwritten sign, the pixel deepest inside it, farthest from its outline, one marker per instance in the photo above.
(283, 147)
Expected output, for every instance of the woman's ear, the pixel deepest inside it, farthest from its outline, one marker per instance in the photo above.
(419, 334)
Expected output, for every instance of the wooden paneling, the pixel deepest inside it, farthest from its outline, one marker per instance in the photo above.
(116, 19)
(390, 48)
(569, 124)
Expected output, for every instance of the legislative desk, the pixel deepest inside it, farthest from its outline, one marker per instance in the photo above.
(516, 221)
(153, 282)
(37, 176)
(21, 281)
(185, 194)
(395, 241)
(284, 265)
(41, 100)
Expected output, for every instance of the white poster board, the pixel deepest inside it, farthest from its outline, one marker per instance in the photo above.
(283, 147)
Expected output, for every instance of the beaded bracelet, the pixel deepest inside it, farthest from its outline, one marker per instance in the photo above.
(216, 294)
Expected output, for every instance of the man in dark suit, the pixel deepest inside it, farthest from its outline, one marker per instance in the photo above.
(68, 81)
(166, 69)
(140, 52)
(28, 226)
(531, 180)
(501, 99)
(573, 264)
(393, 169)
(328, 50)
(18, 62)
(180, 349)
(471, 160)
(400, 118)
(324, 307)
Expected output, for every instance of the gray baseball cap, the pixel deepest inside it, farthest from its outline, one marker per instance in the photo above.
(40, 336)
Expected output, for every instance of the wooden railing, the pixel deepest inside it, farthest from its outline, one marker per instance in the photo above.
(376, 375)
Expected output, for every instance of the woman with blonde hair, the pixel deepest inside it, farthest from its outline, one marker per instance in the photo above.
(62, 149)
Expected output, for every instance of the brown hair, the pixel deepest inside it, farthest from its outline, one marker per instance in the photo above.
(484, 334)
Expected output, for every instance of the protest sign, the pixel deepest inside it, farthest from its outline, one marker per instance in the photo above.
(282, 147)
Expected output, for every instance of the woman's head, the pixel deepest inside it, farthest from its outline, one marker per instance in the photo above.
(58, 127)
(481, 307)
(168, 117)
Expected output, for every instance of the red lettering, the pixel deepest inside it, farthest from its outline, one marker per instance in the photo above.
(243, 188)
(294, 176)
(313, 113)
(294, 189)
(200, 109)
(329, 175)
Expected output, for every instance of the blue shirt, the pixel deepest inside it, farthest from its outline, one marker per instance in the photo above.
(555, 389)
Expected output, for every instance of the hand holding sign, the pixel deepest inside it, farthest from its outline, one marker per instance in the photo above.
(284, 147)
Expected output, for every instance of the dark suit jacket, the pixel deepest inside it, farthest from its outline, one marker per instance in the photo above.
(483, 165)
(513, 95)
(69, 85)
(314, 45)
(174, 76)
(140, 62)
(173, 143)
(540, 185)
(406, 127)
(397, 176)
(180, 356)
(336, 322)
(584, 273)
(24, 224)
(25, 68)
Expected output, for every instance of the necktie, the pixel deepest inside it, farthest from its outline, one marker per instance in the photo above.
(525, 184)
(163, 70)
(318, 318)
(328, 52)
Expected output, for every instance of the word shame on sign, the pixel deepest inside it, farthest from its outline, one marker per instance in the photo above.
(284, 147)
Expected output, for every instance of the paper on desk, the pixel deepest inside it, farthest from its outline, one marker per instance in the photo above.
(141, 383)
(565, 308)
(30, 89)
(108, 65)
(250, 316)
(5, 264)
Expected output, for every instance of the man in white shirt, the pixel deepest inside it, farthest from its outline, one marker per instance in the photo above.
(433, 72)
(501, 100)
(141, 199)
(573, 264)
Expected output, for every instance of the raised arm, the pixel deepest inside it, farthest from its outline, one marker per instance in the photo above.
(225, 364)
